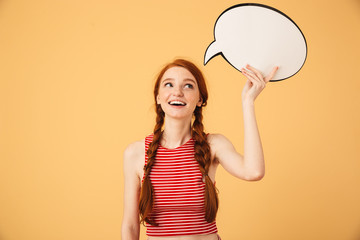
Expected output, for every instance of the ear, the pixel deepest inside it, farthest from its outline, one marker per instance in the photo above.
(157, 99)
(200, 102)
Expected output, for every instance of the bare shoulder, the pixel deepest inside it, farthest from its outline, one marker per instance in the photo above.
(135, 149)
(216, 139)
(134, 157)
(219, 144)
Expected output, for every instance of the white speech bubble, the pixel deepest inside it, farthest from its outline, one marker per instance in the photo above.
(261, 36)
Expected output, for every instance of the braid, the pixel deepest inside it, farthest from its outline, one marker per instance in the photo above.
(147, 192)
(202, 156)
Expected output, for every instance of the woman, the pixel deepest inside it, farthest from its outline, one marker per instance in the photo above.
(170, 175)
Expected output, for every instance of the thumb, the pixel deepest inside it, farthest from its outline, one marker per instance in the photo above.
(247, 86)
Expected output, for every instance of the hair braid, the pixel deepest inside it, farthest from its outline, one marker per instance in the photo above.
(202, 156)
(147, 192)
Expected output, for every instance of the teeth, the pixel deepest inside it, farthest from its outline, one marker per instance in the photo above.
(177, 103)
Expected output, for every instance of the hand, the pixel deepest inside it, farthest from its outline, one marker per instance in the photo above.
(255, 82)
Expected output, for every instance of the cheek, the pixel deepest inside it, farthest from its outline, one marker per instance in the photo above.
(162, 95)
(194, 97)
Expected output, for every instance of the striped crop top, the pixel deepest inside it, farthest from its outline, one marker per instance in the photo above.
(179, 192)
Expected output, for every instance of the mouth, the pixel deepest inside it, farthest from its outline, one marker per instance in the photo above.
(177, 103)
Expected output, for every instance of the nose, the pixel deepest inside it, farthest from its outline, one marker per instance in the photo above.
(178, 91)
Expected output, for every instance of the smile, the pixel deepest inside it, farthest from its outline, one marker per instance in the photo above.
(177, 103)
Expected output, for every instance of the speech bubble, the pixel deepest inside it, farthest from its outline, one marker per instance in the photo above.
(260, 36)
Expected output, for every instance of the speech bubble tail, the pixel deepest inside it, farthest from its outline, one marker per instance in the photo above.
(211, 52)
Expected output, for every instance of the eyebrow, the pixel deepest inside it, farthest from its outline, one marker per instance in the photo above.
(186, 79)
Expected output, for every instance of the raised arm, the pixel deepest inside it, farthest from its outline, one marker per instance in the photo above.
(232, 161)
(249, 166)
(133, 157)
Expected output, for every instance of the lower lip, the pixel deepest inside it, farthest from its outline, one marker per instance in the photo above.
(174, 106)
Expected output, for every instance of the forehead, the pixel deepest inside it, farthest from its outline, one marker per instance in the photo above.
(178, 73)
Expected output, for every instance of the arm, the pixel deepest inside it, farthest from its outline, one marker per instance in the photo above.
(238, 165)
(253, 151)
(130, 229)
(251, 166)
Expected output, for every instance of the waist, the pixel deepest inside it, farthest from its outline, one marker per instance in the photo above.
(212, 236)
(178, 228)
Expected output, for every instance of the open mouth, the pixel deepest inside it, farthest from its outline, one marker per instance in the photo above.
(177, 103)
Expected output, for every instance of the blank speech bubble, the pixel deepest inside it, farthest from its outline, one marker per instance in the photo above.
(261, 36)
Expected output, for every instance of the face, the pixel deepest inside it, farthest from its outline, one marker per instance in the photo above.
(178, 93)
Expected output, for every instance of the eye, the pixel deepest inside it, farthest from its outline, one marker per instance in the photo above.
(168, 84)
(189, 85)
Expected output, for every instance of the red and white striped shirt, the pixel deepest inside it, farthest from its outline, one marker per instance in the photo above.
(179, 192)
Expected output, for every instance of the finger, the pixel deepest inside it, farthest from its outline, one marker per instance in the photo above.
(255, 79)
(272, 74)
(254, 82)
(249, 75)
(257, 72)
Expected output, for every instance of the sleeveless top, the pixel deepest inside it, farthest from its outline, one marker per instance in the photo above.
(179, 192)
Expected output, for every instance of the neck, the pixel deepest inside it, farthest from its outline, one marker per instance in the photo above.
(176, 133)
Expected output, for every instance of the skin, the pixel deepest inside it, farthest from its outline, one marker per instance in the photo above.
(175, 85)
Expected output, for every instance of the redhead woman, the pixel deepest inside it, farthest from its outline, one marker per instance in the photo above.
(170, 175)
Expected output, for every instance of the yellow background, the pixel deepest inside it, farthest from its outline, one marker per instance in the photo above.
(76, 82)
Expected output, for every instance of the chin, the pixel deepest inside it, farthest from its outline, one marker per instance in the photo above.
(178, 116)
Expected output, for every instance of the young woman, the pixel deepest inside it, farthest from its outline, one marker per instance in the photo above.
(170, 175)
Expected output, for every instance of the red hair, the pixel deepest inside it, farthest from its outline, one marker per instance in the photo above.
(202, 148)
